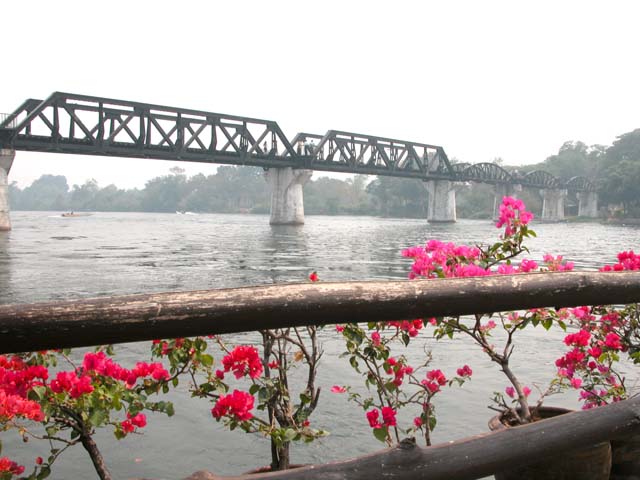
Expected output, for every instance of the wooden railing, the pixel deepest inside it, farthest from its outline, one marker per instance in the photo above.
(168, 315)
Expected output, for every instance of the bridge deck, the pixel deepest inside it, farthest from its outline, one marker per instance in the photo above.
(79, 124)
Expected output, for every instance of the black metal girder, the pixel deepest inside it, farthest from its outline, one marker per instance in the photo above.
(68, 123)
(367, 154)
(540, 179)
(486, 173)
(580, 184)
(80, 124)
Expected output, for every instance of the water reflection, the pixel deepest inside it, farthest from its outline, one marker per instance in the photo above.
(47, 258)
(284, 255)
(5, 266)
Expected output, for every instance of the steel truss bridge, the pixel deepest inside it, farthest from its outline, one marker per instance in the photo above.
(78, 124)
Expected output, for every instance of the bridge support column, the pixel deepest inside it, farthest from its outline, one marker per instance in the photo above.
(6, 160)
(588, 204)
(504, 190)
(553, 204)
(287, 205)
(441, 207)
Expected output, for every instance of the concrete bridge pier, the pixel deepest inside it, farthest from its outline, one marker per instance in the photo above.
(553, 204)
(287, 205)
(6, 160)
(504, 190)
(441, 206)
(588, 204)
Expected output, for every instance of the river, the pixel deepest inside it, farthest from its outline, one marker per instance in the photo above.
(47, 257)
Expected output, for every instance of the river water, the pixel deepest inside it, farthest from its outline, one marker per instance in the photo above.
(47, 257)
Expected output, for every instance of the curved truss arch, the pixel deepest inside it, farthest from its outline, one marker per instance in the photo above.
(580, 184)
(487, 173)
(540, 179)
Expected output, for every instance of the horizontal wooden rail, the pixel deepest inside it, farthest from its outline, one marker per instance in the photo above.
(478, 456)
(169, 315)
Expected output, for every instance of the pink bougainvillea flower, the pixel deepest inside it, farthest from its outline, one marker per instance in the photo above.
(243, 360)
(612, 340)
(12, 406)
(580, 339)
(372, 417)
(9, 466)
(139, 420)
(313, 276)
(576, 382)
(465, 371)
(510, 391)
(127, 426)
(595, 352)
(237, 404)
(375, 338)
(388, 416)
(70, 383)
(338, 389)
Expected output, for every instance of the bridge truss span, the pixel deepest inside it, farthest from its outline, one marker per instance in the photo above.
(68, 123)
(367, 154)
(80, 124)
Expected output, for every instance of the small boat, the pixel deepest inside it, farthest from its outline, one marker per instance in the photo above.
(73, 214)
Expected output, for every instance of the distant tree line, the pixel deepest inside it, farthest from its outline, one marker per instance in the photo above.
(614, 169)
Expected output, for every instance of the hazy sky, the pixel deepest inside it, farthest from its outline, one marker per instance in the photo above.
(484, 79)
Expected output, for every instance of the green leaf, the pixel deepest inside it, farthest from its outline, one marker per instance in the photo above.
(44, 473)
(290, 435)
(381, 433)
(354, 363)
(546, 323)
(98, 417)
(206, 359)
(40, 391)
(432, 422)
(305, 398)
(253, 389)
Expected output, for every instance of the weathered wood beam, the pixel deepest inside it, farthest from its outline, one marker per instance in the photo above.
(180, 314)
(477, 456)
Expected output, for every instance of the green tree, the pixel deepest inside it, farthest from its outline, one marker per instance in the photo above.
(49, 192)
(620, 181)
(83, 196)
(399, 197)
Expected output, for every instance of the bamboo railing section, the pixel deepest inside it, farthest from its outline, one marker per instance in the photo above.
(478, 456)
(168, 315)
(131, 318)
